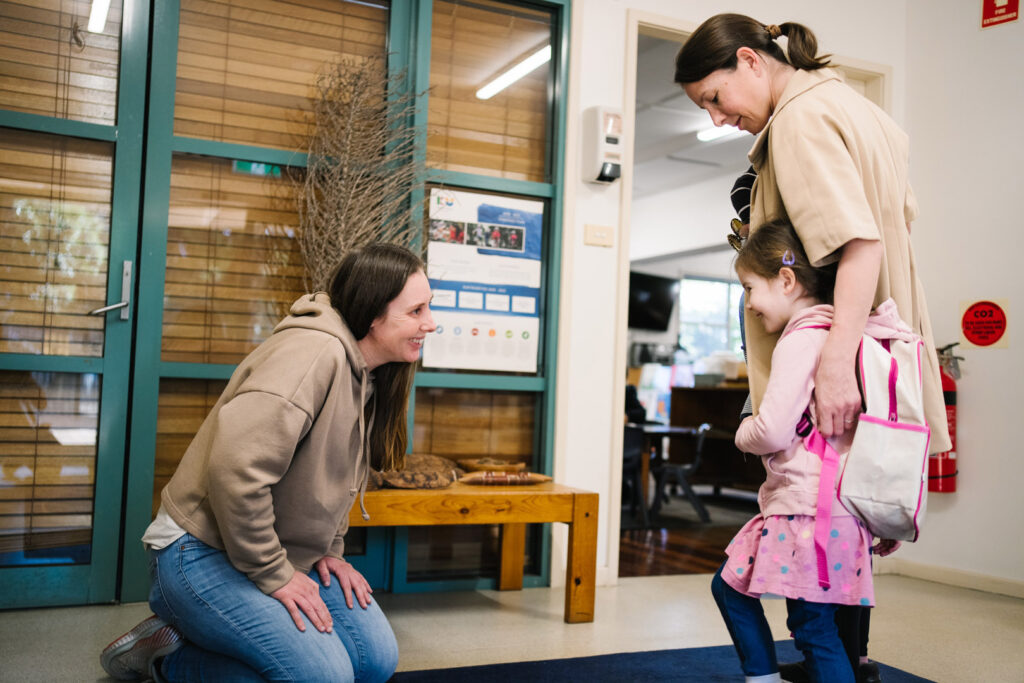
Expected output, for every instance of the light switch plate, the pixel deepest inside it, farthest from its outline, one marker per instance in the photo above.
(599, 235)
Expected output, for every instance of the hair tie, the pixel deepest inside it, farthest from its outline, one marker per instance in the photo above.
(773, 31)
(788, 258)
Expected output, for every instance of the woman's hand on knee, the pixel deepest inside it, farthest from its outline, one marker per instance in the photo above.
(301, 596)
(350, 579)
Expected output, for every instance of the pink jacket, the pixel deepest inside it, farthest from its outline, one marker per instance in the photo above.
(791, 486)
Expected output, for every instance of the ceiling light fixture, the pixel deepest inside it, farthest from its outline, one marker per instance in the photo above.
(716, 133)
(98, 15)
(538, 58)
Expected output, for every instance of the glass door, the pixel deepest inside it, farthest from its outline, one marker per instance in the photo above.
(71, 97)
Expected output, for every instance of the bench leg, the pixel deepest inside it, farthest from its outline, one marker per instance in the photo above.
(513, 554)
(581, 565)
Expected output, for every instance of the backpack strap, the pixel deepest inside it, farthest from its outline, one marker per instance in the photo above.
(816, 443)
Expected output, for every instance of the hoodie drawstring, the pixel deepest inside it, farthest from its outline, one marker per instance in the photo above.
(364, 452)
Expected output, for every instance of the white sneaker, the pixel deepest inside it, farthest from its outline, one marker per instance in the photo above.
(128, 658)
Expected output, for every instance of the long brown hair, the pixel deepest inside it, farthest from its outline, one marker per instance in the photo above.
(365, 282)
(714, 44)
(775, 244)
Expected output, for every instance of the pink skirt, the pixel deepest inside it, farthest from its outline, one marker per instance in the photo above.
(775, 555)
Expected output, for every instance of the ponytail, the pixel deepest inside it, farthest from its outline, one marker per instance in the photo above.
(714, 44)
(802, 47)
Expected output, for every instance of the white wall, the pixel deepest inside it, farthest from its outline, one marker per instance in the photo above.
(592, 337)
(687, 218)
(964, 95)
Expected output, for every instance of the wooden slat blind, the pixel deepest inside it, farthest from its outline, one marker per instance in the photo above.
(233, 264)
(468, 423)
(55, 198)
(48, 425)
(44, 71)
(506, 135)
(246, 68)
(181, 408)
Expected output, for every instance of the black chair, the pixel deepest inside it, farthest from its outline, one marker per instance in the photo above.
(634, 450)
(666, 473)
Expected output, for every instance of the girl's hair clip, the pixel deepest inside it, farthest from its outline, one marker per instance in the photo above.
(788, 258)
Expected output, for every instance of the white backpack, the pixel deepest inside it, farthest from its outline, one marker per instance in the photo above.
(882, 480)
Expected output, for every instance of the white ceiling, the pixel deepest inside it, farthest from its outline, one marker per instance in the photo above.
(667, 153)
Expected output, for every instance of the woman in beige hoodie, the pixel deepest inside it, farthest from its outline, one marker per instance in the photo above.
(248, 545)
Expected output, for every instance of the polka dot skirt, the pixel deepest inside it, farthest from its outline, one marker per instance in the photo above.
(775, 555)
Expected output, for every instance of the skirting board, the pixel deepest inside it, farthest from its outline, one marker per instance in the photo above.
(952, 577)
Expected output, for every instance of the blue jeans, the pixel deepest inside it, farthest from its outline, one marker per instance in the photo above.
(247, 635)
(813, 625)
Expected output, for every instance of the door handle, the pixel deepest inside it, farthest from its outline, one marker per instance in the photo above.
(126, 295)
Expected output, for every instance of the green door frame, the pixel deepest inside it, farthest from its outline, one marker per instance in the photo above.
(97, 581)
(408, 48)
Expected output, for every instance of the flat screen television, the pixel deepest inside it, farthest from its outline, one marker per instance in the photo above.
(651, 300)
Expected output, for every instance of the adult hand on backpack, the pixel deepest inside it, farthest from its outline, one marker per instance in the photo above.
(885, 547)
(837, 398)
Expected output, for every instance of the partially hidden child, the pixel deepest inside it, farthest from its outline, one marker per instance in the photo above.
(774, 553)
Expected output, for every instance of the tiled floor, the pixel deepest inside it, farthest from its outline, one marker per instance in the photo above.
(943, 633)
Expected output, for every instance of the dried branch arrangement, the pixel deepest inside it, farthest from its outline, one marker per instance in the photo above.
(362, 169)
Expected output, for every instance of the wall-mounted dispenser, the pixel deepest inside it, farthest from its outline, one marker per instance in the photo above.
(602, 144)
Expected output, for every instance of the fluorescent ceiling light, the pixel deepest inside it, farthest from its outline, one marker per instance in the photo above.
(541, 56)
(98, 15)
(709, 134)
(74, 436)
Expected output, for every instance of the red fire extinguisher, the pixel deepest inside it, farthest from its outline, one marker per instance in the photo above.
(942, 467)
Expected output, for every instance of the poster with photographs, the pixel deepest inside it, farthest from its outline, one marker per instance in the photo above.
(483, 262)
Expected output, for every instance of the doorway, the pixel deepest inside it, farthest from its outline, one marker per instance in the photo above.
(680, 209)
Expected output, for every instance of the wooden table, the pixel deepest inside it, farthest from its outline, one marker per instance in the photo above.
(513, 507)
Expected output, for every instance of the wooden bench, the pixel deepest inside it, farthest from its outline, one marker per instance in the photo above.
(513, 507)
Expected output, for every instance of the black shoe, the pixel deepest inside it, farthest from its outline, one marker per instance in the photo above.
(794, 672)
(868, 672)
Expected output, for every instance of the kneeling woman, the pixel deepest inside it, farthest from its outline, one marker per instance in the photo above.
(249, 580)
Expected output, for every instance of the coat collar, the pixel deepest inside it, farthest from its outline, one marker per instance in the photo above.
(801, 82)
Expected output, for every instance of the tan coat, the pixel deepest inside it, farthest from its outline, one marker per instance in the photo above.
(835, 165)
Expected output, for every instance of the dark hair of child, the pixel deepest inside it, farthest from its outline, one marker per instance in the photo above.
(775, 245)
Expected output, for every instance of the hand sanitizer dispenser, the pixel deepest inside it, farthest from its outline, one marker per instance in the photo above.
(602, 145)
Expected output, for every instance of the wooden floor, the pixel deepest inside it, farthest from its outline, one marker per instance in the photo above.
(656, 552)
(682, 546)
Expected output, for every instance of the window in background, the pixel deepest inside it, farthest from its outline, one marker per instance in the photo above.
(246, 70)
(709, 316)
(233, 262)
(53, 66)
(504, 134)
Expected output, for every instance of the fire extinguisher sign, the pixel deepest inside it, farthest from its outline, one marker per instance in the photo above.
(983, 324)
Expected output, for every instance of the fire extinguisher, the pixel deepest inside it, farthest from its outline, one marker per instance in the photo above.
(942, 467)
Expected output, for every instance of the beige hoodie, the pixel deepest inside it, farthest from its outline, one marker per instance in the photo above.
(276, 466)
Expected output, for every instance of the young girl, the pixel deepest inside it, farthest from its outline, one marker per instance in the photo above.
(774, 552)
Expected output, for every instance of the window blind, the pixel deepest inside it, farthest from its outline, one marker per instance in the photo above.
(246, 69)
(48, 425)
(55, 198)
(182, 406)
(233, 263)
(506, 135)
(51, 68)
(467, 423)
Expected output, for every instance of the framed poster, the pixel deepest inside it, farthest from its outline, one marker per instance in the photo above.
(483, 263)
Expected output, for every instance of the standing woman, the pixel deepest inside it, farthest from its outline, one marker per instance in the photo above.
(835, 166)
(247, 549)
